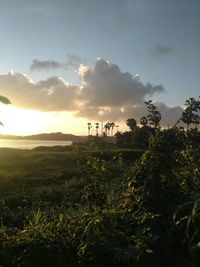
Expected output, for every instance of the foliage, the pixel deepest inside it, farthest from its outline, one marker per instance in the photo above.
(131, 123)
(4, 100)
(154, 115)
(144, 121)
(103, 205)
(139, 138)
(190, 113)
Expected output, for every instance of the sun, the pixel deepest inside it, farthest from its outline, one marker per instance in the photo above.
(19, 121)
(26, 122)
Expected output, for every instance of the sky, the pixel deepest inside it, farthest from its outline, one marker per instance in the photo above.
(68, 62)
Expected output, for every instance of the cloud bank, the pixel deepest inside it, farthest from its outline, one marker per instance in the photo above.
(106, 93)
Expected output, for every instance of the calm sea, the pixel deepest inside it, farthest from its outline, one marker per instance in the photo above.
(30, 144)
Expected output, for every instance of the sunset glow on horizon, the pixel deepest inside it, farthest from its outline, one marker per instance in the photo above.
(28, 122)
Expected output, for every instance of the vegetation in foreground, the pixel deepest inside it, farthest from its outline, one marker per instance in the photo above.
(76, 208)
(110, 207)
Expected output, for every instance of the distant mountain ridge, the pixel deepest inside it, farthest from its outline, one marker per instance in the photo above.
(46, 136)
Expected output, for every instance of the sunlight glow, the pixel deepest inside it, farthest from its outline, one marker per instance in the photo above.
(27, 122)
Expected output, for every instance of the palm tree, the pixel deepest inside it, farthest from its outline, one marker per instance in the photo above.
(97, 128)
(107, 128)
(132, 124)
(89, 127)
(6, 101)
(102, 128)
(112, 125)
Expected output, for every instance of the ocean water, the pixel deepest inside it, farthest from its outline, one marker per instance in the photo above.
(30, 144)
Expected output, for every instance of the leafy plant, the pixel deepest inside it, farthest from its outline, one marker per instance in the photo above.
(4, 100)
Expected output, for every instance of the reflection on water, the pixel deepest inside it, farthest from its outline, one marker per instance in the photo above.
(30, 144)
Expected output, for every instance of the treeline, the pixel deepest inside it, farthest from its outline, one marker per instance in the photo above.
(140, 131)
(150, 124)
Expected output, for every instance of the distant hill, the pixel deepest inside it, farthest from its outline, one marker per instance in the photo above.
(46, 136)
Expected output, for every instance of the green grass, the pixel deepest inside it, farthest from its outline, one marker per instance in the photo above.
(49, 175)
(80, 206)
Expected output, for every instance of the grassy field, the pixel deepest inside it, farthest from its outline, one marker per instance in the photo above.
(82, 206)
(48, 178)
(24, 172)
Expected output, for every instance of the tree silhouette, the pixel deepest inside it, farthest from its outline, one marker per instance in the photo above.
(112, 125)
(144, 121)
(107, 127)
(97, 128)
(89, 127)
(131, 123)
(191, 112)
(154, 115)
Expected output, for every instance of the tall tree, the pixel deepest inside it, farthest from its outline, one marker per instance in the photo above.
(112, 125)
(89, 125)
(107, 128)
(131, 123)
(191, 113)
(154, 115)
(97, 128)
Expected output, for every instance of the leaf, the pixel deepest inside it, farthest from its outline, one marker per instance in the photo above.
(4, 100)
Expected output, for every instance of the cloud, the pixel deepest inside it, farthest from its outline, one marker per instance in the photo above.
(73, 60)
(105, 85)
(161, 50)
(169, 114)
(45, 64)
(110, 94)
(105, 93)
(53, 94)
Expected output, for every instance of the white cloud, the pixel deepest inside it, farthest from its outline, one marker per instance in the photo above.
(49, 95)
(105, 93)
